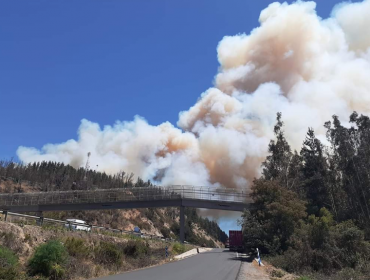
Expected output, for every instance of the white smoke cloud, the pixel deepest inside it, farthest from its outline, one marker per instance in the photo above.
(296, 63)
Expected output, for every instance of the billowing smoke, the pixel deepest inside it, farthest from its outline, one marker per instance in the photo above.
(296, 63)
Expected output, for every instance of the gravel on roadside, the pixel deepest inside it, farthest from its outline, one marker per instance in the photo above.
(251, 271)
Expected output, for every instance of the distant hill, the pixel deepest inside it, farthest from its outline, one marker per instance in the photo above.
(54, 176)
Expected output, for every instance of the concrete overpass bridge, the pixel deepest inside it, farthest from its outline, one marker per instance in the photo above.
(125, 198)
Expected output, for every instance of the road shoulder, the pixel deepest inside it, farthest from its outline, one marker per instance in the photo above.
(191, 253)
(250, 270)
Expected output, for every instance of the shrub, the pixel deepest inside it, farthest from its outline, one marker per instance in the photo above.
(165, 232)
(108, 254)
(292, 260)
(151, 215)
(76, 247)
(175, 228)
(49, 259)
(136, 249)
(57, 271)
(178, 248)
(9, 273)
(8, 264)
(7, 257)
(28, 239)
(10, 240)
(143, 225)
(277, 273)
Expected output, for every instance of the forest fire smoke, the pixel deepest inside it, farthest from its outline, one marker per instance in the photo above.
(296, 63)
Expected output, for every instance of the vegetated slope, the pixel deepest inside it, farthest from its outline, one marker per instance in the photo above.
(31, 252)
(52, 176)
(312, 215)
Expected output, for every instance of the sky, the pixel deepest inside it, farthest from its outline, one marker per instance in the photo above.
(62, 61)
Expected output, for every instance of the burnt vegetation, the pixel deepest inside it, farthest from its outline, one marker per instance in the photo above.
(313, 214)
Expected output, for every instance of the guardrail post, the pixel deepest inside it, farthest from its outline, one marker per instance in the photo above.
(6, 215)
(258, 257)
(182, 224)
(41, 221)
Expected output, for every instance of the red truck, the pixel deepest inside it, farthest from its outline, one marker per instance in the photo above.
(236, 240)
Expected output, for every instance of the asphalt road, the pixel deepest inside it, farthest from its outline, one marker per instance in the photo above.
(213, 265)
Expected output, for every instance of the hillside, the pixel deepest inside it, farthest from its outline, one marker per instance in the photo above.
(31, 252)
(50, 176)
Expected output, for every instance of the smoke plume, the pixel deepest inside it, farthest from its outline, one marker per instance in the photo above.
(296, 63)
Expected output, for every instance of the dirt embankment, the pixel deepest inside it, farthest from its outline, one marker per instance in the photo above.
(132, 252)
(250, 270)
(24, 239)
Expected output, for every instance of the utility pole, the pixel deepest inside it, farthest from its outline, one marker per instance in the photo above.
(182, 224)
(87, 166)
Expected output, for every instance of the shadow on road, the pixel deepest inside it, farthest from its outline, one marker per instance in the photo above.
(216, 252)
(243, 258)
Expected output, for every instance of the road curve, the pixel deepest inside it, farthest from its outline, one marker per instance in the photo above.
(218, 264)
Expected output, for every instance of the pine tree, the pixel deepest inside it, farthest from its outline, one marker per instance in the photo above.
(314, 170)
(276, 165)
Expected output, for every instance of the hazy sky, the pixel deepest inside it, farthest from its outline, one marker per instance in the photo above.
(61, 61)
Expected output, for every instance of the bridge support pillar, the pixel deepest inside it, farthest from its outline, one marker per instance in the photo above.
(182, 224)
(40, 221)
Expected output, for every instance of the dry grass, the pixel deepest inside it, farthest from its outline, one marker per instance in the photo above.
(88, 251)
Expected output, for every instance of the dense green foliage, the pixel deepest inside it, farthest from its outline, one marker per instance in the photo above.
(8, 264)
(49, 259)
(312, 210)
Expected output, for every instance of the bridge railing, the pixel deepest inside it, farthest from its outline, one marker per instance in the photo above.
(121, 195)
(216, 194)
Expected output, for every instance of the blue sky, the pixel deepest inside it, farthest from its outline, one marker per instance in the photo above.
(61, 61)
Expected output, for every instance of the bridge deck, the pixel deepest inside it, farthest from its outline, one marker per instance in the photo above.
(188, 196)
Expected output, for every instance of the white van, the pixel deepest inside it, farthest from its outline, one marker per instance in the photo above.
(75, 224)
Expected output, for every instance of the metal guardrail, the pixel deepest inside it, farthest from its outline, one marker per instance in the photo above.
(123, 195)
(42, 220)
